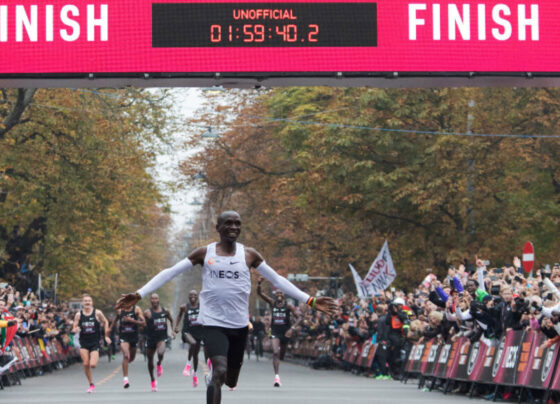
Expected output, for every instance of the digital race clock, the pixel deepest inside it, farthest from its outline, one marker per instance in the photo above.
(187, 25)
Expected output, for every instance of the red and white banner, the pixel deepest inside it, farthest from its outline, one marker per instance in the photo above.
(126, 36)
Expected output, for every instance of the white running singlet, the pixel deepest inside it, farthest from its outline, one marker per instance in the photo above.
(226, 286)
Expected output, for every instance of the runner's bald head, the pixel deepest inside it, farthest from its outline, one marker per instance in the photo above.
(224, 215)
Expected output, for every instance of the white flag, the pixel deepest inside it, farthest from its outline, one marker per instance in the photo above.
(362, 290)
(381, 273)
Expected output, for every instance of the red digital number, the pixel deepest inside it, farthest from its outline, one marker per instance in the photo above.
(249, 37)
(259, 33)
(314, 30)
(230, 34)
(215, 33)
(291, 33)
(281, 32)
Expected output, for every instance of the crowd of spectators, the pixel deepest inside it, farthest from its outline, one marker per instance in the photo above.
(40, 319)
(479, 302)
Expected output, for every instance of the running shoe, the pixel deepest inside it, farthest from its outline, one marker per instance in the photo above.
(113, 357)
(187, 370)
(126, 384)
(154, 386)
(91, 388)
(159, 371)
(195, 381)
(277, 381)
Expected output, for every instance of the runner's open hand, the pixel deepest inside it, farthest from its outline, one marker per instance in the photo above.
(129, 299)
(326, 305)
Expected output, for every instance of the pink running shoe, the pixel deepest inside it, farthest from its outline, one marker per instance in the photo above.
(126, 383)
(277, 381)
(187, 370)
(154, 386)
(159, 371)
(195, 381)
(91, 388)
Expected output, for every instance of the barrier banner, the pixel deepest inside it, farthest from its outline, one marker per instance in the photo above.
(480, 368)
(555, 385)
(527, 345)
(347, 352)
(368, 352)
(441, 363)
(453, 358)
(418, 354)
(355, 355)
(541, 364)
(431, 362)
(371, 355)
(507, 367)
(462, 361)
(411, 356)
(425, 355)
(34, 360)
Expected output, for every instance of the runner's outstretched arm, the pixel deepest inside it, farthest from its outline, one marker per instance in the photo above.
(324, 304)
(186, 265)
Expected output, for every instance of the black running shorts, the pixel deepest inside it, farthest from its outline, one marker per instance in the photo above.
(196, 331)
(153, 342)
(90, 346)
(132, 341)
(229, 342)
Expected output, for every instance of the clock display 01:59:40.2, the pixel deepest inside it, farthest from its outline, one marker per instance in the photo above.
(264, 34)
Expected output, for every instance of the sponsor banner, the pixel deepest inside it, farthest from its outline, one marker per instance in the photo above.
(481, 370)
(541, 364)
(527, 345)
(555, 385)
(368, 352)
(425, 355)
(441, 363)
(429, 367)
(371, 355)
(411, 356)
(418, 354)
(355, 355)
(463, 359)
(347, 352)
(453, 358)
(507, 368)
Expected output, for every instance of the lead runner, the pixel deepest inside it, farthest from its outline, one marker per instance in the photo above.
(224, 299)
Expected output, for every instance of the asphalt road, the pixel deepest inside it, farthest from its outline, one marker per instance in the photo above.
(300, 385)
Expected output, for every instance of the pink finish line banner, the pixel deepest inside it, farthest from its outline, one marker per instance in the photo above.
(138, 36)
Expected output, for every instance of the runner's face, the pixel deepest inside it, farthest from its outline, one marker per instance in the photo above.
(87, 302)
(155, 301)
(279, 297)
(193, 297)
(230, 228)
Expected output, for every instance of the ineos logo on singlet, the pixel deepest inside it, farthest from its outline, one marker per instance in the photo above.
(224, 274)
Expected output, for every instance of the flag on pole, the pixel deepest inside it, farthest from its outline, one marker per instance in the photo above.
(381, 272)
(362, 290)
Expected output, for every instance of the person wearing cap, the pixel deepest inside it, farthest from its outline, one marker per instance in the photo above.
(398, 325)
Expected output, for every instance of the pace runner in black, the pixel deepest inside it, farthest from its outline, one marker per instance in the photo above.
(88, 322)
(280, 326)
(224, 299)
(191, 334)
(156, 332)
(128, 320)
